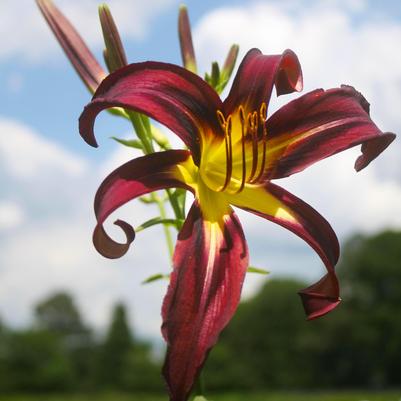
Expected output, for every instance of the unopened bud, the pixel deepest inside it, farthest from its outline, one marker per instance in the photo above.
(74, 47)
(114, 54)
(229, 64)
(185, 36)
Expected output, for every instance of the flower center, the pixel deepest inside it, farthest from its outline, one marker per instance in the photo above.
(241, 157)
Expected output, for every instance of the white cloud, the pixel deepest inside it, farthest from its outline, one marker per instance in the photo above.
(332, 47)
(24, 152)
(11, 215)
(350, 201)
(59, 255)
(49, 247)
(32, 41)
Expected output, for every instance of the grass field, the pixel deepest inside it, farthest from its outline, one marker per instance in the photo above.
(279, 396)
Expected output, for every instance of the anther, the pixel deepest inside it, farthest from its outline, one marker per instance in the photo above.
(221, 118)
(263, 112)
(241, 115)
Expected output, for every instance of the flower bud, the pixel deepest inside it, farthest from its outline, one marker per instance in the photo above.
(74, 47)
(185, 36)
(114, 53)
(229, 64)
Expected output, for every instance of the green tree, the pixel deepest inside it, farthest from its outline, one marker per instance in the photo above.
(269, 343)
(115, 350)
(34, 360)
(264, 346)
(125, 363)
(58, 314)
(363, 341)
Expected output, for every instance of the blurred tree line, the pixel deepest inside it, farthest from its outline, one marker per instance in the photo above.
(61, 353)
(268, 345)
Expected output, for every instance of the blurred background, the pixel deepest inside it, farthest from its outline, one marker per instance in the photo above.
(72, 321)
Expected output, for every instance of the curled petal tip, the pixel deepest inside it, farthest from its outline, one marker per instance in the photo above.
(289, 77)
(317, 305)
(321, 297)
(372, 148)
(109, 248)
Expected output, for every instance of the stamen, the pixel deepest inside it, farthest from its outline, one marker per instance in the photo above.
(229, 152)
(254, 133)
(262, 120)
(243, 127)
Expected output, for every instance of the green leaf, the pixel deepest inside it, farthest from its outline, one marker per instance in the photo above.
(214, 78)
(200, 398)
(252, 269)
(157, 220)
(180, 195)
(132, 143)
(156, 277)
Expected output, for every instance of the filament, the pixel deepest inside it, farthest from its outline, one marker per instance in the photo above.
(243, 128)
(254, 133)
(262, 120)
(229, 152)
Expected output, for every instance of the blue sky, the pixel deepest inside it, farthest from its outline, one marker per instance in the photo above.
(49, 175)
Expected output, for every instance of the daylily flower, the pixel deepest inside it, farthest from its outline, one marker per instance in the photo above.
(234, 153)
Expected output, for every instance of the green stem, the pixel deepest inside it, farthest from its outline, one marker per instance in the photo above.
(198, 389)
(174, 205)
(167, 233)
(142, 128)
(141, 131)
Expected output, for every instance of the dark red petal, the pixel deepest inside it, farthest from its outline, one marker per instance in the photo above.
(279, 206)
(320, 124)
(210, 263)
(257, 75)
(170, 94)
(75, 48)
(135, 178)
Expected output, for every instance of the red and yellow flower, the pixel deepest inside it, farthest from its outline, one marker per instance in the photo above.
(235, 151)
